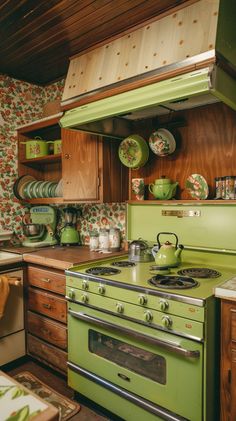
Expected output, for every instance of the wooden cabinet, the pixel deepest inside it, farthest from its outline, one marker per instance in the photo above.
(47, 316)
(89, 165)
(228, 360)
(92, 171)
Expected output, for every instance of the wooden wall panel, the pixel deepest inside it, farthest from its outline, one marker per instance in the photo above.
(206, 145)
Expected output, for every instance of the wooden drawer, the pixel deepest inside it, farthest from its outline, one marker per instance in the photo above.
(50, 305)
(49, 354)
(48, 330)
(51, 280)
(233, 325)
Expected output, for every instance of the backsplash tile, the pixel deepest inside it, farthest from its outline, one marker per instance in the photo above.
(22, 103)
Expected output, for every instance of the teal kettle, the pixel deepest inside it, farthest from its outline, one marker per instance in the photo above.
(167, 254)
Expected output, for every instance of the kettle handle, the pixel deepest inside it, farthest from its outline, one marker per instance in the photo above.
(169, 233)
(150, 187)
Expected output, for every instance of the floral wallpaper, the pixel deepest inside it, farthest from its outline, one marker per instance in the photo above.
(22, 103)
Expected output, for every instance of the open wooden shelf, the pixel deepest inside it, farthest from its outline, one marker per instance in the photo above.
(41, 160)
(44, 200)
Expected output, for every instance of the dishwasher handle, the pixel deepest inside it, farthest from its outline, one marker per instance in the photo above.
(136, 335)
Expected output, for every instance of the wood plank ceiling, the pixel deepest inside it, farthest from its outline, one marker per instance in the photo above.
(38, 37)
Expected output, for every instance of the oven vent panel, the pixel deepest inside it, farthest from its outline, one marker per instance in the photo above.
(211, 227)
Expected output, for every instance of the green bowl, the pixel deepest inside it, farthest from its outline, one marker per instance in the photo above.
(133, 151)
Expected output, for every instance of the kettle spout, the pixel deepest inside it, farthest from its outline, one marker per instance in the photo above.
(179, 250)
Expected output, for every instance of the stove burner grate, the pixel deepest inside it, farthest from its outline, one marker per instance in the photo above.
(175, 282)
(101, 270)
(199, 272)
(123, 264)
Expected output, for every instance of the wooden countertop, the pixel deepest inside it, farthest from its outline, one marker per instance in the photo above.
(64, 257)
(20, 249)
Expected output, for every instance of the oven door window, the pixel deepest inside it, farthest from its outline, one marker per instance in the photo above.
(136, 359)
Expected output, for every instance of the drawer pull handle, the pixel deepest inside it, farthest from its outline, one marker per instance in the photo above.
(47, 306)
(124, 377)
(45, 280)
(45, 331)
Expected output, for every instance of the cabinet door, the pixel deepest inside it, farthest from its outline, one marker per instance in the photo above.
(80, 166)
(228, 360)
(233, 384)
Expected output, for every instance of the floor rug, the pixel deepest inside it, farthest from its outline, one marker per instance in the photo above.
(67, 408)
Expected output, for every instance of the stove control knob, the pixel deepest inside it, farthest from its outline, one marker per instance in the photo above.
(71, 293)
(148, 316)
(84, 298)
(166, 321)
(163, 305)
(119, 308)
(101, 289)
(85, 285)
(142, 300)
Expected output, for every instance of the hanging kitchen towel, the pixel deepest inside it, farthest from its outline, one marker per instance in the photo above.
(4, 292)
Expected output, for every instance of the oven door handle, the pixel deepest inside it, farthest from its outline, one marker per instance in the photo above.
(136, 335)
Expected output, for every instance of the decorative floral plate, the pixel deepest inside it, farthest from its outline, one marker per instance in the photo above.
(133, 151)
(197, 186)
(162, 142)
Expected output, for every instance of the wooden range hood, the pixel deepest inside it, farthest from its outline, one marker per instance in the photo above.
(181, 60)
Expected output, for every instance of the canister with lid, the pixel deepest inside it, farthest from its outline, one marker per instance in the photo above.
(114, 239)
(104, 239)
(93, 240)
(229, 187)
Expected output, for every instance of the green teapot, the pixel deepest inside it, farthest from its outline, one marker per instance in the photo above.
(163, 188)
(167, 255)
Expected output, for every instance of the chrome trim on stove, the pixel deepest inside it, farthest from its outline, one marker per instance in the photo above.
(171, 346)
(181, 213)
(210, 249)
(142, 403)
(200, 302)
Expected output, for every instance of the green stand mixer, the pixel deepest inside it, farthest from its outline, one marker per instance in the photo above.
(40, 231)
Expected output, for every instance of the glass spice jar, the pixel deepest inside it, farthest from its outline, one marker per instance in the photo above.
(103, 239)
(93, 240)
(114, 239)
(220, 187)
(229, 187)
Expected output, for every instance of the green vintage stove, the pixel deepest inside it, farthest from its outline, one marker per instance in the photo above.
(146, 345)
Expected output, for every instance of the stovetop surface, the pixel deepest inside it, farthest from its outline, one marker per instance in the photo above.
(140, 274)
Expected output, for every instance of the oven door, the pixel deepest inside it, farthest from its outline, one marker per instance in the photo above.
(158, 366)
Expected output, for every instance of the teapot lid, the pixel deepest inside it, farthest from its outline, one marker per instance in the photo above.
(167, 244)
(140, 243)
(163, 180)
